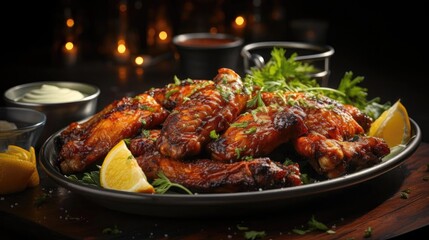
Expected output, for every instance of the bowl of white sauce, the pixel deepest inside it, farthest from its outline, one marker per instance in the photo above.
(61, 102)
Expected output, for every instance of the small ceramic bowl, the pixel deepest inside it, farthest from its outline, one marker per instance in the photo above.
(202, 54)
(59, 113)
(20, 127)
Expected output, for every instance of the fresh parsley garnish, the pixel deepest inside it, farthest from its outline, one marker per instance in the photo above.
(251, 235)
(367, 233)
(286, 74)
(112, 231)
(214, 135)
(405, 194)
(162, 184)
(89, 178)
(313, 225)
(250, 130)
(41, 199)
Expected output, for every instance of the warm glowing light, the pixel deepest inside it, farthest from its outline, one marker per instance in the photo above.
(121, 48)
(163, 35)
(213, 30)
(122, 7)
(122, 74)
(69, 46)
(70, 22)
(239, 21)
(139, 72)
(139, 60)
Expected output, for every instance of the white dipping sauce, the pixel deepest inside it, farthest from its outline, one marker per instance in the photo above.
(52, 94)
(6, 126)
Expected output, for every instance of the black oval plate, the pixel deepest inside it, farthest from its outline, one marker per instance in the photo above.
(218, 204)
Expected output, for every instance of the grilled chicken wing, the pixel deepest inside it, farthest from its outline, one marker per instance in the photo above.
(186, 130)
(335, 143)
(83, 144)
(207, 176)
(258, 133)
(174, 94)
(334, 158)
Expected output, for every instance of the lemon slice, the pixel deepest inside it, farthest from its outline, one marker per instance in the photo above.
(34, 178)
(393, 125)
(120, 171)
(14, 172)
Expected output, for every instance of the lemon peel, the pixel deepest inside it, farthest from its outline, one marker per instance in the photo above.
(120, 171)
(393, 125)
(18, 169)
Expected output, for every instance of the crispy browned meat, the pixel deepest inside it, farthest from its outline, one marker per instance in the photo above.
(174, 94)
(334, 158)
(186, 130)
(83, 144)
(207, 176)
(335, 143)
(258, 133)
(361, 118)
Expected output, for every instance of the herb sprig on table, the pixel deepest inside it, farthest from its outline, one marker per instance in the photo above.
(286, 74)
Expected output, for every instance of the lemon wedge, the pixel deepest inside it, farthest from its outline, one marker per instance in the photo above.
(393, 125)
(34, 178)
(120, 171)
(17, 170)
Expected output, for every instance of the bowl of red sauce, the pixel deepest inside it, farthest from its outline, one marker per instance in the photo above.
(200, 55)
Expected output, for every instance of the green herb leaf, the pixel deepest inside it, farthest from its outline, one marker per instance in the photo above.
(368, 232)
(214, 135)
(177, 81)
(250, 130)
(240, 124)
(89, 178)
(242, 228)
(162, 184)
(112, 231)
(252, 235)
(313, 223)
(281, 73)
(286, 74)
(41, 199)
(405, 194)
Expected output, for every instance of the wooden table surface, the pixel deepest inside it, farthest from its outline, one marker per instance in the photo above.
(375, 204)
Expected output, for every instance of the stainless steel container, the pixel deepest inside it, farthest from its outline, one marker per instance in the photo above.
(255, 55)
(59, 115)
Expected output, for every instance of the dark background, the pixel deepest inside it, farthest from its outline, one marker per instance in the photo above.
(385, 43)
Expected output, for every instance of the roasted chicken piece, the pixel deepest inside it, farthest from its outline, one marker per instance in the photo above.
(174, 94)
(81, 144)
(335, 143)
(208, 176)
(334, 158)
(258, 133)
(186, 130)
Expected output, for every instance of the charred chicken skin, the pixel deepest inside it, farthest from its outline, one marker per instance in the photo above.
(208, 176)
(83, 144)
(174, 94)
(258, 133)
(187, 129)
(335, 143)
